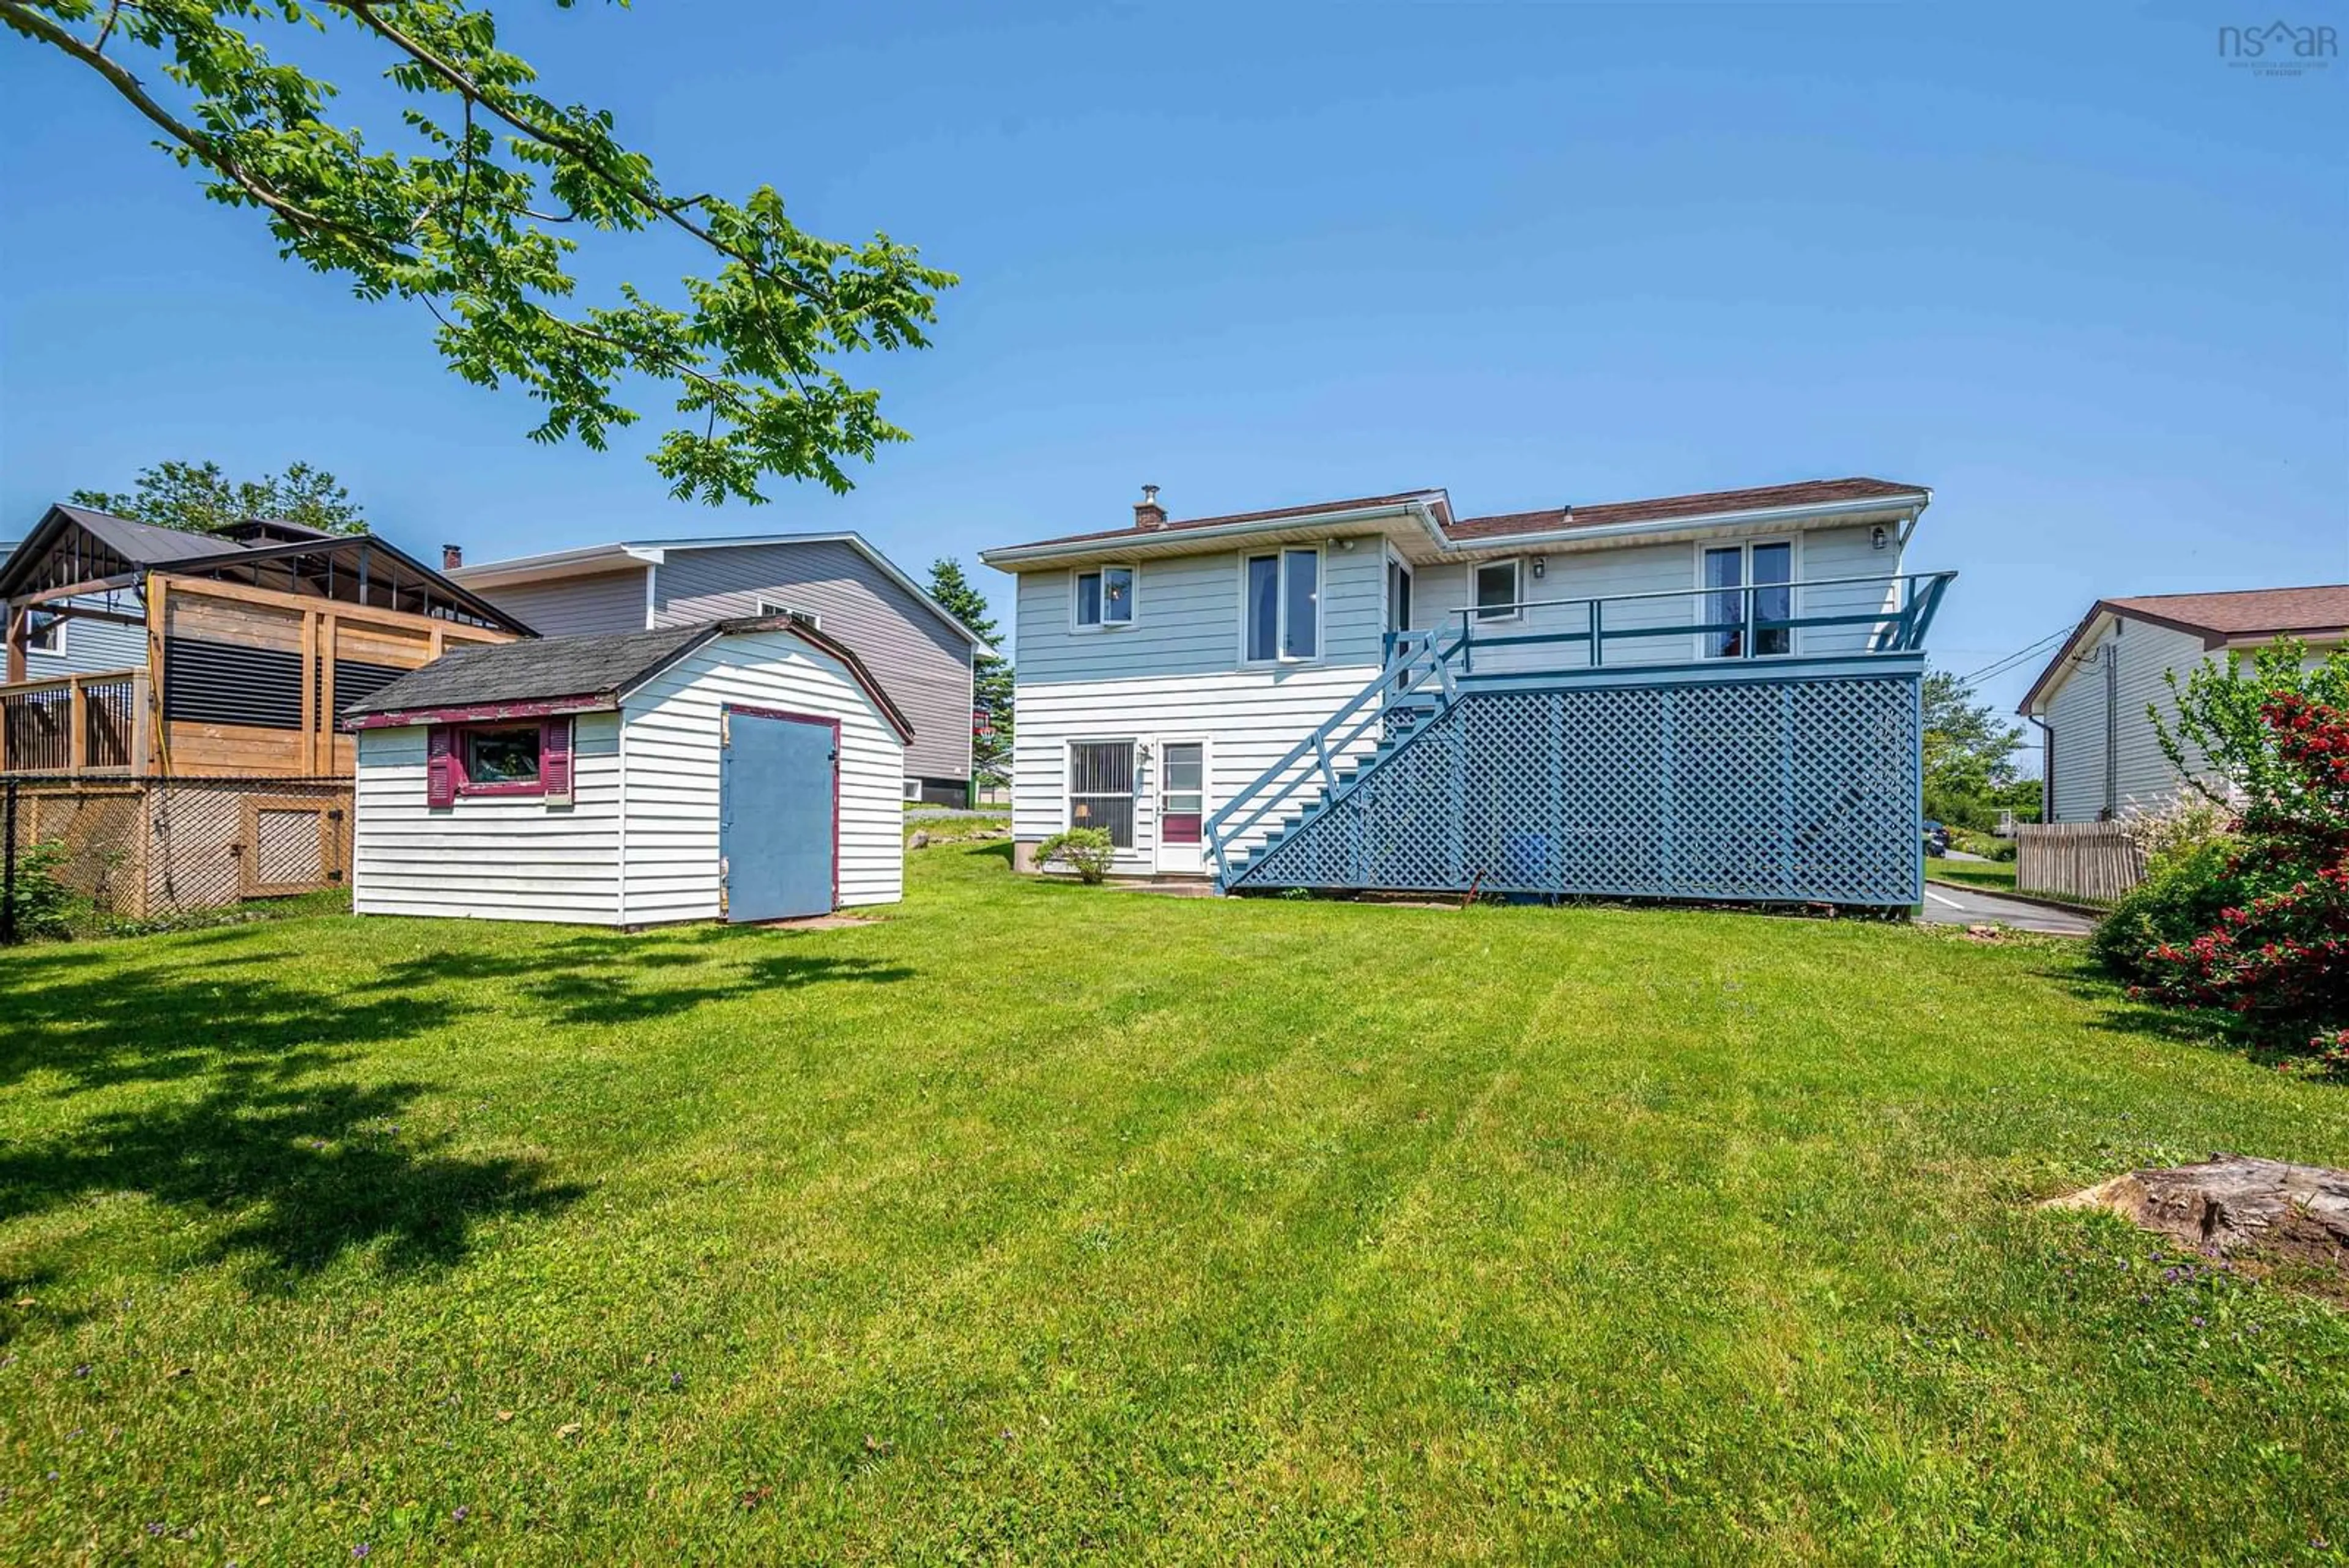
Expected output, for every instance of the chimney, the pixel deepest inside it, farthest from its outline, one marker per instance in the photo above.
(452, 556)
(1147, 512)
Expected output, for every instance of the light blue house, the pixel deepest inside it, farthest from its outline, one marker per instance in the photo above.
(107, 632)
(1711, 696)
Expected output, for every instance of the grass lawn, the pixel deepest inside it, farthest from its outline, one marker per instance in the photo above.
(1039, 1221)
(1990, 876)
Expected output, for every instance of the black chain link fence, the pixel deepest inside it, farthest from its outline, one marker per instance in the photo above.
(84, 857)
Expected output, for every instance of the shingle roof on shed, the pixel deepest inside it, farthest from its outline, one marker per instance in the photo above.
(547, 669)
(578, 674)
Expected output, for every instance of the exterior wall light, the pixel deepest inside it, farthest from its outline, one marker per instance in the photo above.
(1875, 536)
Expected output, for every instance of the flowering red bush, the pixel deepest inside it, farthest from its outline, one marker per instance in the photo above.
(2280, 961)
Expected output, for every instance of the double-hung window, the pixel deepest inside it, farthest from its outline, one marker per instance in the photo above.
(1280, 610)
(1101, 788)
(1744, 587)
(1496, 590)
(1104, 596)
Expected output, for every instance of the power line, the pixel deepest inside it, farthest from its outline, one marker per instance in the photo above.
(2000, 666)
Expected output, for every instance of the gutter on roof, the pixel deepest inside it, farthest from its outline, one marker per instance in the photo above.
(1447, 544)
(1420, 509)
(1915, 500)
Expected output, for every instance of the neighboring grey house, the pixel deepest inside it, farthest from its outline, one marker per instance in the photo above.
(2096, 697)
(838, 581)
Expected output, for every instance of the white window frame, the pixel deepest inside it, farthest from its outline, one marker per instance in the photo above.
(1793, 542)
(913, 788)
(770, 607)
(1281, 553)
(50, 640)
(1138, 754)
(1078, 574)
(1516, 565)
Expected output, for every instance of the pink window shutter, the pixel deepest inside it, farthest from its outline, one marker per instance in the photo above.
(440, 767)
(554, 760)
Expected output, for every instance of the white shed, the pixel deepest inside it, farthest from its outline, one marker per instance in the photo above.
(747, 770)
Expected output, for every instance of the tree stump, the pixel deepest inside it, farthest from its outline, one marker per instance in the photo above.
(2233, 1202)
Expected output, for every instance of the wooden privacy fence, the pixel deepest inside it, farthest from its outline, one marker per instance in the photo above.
(2093, 861)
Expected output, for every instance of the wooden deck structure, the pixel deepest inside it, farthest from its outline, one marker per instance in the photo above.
(251, 647)
(211, 771)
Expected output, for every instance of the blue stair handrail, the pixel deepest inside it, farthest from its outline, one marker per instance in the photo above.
(1412, 657)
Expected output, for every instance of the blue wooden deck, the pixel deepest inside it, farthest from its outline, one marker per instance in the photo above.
(1761, 779)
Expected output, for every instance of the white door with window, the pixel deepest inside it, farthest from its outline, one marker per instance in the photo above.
(1182, 807)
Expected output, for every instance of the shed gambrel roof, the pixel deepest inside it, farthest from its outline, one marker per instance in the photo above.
(575, 675)
(2218, 618)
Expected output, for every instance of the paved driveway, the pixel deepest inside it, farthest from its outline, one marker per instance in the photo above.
(1949, 906)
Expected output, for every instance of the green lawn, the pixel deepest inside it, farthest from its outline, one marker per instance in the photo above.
(1037, 1222)
(1990, 876)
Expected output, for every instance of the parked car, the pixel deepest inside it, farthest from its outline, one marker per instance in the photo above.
(1937, 839)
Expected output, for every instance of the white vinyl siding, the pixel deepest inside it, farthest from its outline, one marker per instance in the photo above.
(1253, 717)
(497, 857)
(639, 844)
(672, 748)
(2089, 752)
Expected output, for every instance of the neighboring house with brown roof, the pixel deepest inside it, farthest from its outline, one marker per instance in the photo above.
(2095, 697)
(1181, 683)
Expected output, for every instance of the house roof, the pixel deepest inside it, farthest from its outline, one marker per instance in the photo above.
(574, 674)
(1702, 504)
(1466, 532)
(2218, 618)
(628, 553)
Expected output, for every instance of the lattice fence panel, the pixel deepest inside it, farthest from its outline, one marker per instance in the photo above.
(1794, 790)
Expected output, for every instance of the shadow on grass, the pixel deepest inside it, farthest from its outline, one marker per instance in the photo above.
(262, 1132)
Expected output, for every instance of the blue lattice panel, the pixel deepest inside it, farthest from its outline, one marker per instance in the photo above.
(1788, 790)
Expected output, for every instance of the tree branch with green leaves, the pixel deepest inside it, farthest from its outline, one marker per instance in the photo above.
(462, 220)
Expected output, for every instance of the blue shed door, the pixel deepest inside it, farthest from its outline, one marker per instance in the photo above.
(779, 816)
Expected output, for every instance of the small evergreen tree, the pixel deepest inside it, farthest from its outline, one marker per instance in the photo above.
(991, 688)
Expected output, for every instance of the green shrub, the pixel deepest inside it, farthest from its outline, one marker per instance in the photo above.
(2182, 896)
(1086, 851)
(1990, 847)
(44, 904)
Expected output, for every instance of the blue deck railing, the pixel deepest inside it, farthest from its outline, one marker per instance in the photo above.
(1423, 669)
(1896, 626)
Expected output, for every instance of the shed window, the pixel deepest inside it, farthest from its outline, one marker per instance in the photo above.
(499, 759)
(1283, 609)
(503, 757)
(1496, 590)
(1101, 788)
(1105, 597)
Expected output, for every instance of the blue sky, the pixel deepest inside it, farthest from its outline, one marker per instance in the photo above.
(2079, 276)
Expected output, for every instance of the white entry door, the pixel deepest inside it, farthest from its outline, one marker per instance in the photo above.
(1182, 807)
